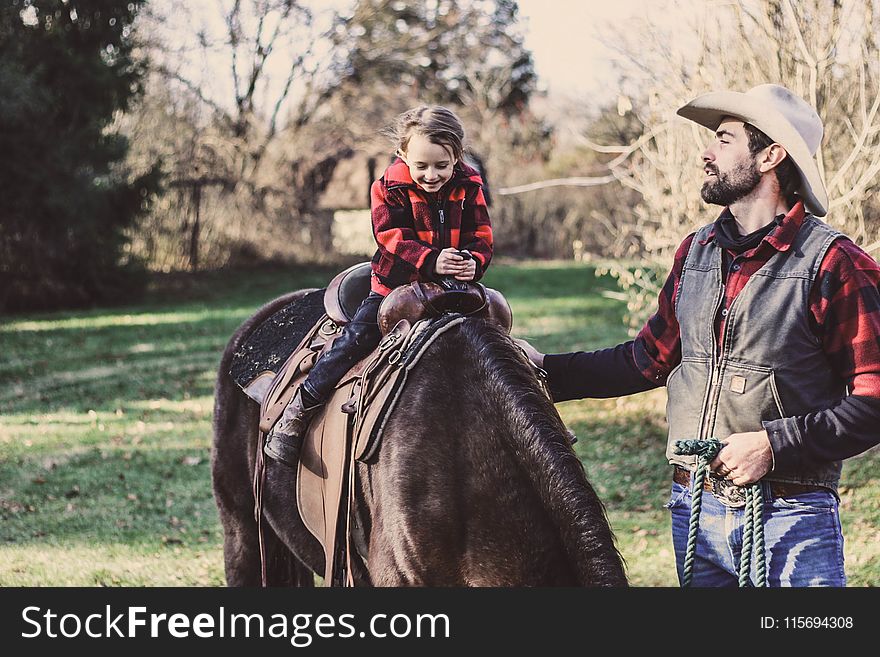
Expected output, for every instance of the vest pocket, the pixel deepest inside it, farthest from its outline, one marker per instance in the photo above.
(748, 397)
(686, 388)
(776, 397)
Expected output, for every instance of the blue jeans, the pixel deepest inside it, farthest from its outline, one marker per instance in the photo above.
(802, 537)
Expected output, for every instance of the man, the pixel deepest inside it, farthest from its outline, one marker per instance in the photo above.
(767, 336)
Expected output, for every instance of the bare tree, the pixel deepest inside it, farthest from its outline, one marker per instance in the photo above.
(242, 79)
(824, 50)
(268, 96)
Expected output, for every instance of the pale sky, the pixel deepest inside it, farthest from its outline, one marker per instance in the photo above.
(565, 39)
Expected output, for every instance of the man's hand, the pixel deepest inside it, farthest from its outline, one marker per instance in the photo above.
(534, 355)
(745, 458)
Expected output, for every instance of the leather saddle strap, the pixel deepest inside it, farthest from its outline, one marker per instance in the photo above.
(389, 353)
(423, 298)
(352, 465)
(386, 348)
(280, 394)
(281, 382)
(276, 399)
(259, 463)
(259, 484)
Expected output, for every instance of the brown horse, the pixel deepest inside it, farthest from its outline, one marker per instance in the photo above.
(474, 484)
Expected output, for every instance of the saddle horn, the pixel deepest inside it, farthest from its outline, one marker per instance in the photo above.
(418, 301)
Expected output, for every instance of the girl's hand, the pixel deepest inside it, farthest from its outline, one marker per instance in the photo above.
(470, 270)
(450, 263)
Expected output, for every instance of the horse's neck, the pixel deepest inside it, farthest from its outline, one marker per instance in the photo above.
(449, 472)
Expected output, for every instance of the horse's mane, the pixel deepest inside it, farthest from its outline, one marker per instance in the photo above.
(540, 441)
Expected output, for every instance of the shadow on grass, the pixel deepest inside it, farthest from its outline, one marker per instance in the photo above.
(153, 499)
(162, 348)
(91, 368)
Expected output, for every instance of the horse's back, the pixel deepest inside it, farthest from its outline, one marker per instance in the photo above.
(450, 498)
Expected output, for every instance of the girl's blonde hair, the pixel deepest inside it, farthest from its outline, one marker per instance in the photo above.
(439, 125)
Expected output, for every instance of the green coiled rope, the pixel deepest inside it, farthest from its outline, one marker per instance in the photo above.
(753, 527)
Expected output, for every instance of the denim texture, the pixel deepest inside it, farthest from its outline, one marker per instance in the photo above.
(802, 535)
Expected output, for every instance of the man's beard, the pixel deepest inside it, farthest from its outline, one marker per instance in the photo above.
(727, 188)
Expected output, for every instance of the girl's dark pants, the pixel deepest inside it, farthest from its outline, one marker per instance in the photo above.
(359, 337)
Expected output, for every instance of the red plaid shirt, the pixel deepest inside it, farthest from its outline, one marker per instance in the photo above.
(844, 313)
(844, 308)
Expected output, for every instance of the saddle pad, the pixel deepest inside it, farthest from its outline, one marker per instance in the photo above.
(272, 342)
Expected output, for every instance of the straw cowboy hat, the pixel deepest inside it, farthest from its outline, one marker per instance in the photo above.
(781, 115)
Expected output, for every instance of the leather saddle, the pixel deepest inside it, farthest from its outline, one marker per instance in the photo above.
(349, 427)
(414, 301)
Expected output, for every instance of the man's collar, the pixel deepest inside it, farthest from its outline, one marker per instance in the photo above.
(781, 237)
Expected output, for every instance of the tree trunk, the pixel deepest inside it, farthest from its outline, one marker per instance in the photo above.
(196, 227)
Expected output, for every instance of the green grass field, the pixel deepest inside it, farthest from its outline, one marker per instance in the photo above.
(105, 432)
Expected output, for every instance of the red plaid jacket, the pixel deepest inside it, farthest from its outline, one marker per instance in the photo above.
(411, 226)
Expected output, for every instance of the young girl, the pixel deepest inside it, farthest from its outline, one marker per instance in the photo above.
(426, 208)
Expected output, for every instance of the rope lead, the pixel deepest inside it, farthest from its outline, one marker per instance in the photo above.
(753, 529)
